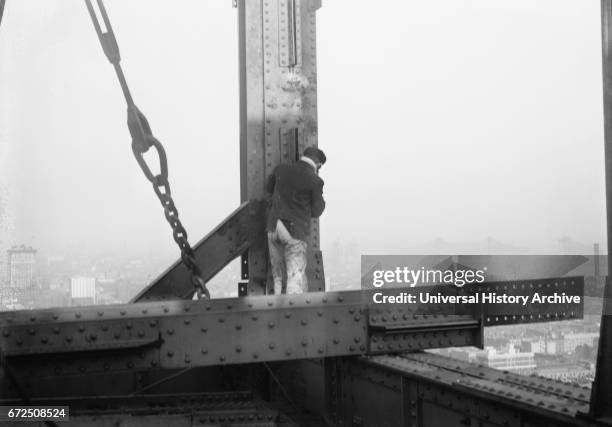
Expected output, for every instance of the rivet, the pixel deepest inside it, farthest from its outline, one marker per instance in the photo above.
(204, 350)
(170, 353)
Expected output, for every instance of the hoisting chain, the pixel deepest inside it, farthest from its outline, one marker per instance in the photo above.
(142, 141)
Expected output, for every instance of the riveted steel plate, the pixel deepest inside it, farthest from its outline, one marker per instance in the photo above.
(532, 312)
(478, 391)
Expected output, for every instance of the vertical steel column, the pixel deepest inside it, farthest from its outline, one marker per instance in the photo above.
(601, 394)
(278, 109)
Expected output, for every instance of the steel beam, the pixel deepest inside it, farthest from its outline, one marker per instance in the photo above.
(278, 108)
(230, 409)
(601, 398)
(241, 229)
(184, 334)
(422, 389)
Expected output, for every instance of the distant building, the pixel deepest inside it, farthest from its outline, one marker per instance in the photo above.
(83, 290)
(533, 346)
(571, 341)
(21, 263)
(508, 361)
(555, 346)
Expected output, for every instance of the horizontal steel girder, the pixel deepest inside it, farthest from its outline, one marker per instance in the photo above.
(232, 237)
(179, 334)
(423, 389)
(231, 409)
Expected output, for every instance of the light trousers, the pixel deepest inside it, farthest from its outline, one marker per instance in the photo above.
(287, 254)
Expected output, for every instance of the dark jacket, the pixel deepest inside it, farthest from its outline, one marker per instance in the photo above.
(297, 196)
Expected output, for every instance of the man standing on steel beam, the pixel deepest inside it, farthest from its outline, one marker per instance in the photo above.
(297, 196)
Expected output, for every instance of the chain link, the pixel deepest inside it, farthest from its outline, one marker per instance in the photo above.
(142, 141)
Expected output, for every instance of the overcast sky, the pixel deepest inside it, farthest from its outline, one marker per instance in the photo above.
(457, 119)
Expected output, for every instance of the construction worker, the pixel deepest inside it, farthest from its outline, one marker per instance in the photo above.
(297, 196)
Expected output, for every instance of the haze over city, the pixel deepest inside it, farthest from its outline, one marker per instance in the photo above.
(493, 131)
